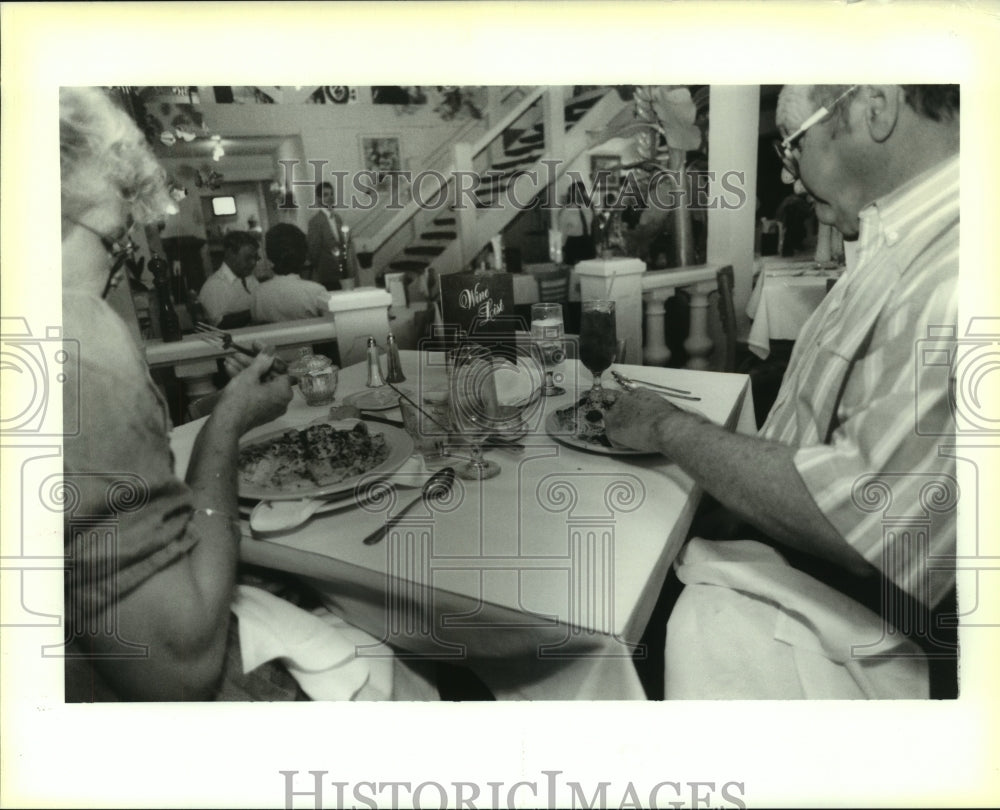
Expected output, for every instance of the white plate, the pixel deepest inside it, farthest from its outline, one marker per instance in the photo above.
(560, 434)
(400, 448)
(376, 399)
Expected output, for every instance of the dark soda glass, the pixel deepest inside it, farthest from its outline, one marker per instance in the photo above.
(598, 337)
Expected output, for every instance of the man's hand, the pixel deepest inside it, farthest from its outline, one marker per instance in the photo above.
(255, 396)
(635, 419)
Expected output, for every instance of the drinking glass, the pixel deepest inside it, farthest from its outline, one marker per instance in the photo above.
(598, 339)
(548, 333)
(474, 407)
(428, 427)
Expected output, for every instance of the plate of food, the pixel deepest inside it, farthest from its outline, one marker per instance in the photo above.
(581, 425)
(376, 399)
(319, 460)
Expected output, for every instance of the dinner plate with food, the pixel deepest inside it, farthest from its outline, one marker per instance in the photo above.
(319, 460)
(581, 425)
(376, 399)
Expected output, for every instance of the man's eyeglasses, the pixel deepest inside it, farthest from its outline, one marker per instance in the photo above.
(120, 249)
(787, 148)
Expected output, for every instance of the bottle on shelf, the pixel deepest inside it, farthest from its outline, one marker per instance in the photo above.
(169, 322)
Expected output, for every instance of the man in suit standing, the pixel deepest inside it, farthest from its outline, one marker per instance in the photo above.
(329, 243)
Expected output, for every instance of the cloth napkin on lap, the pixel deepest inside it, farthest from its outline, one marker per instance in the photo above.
(748, 625)
(320, 651)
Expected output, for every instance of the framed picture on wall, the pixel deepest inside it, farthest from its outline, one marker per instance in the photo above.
(380, 154)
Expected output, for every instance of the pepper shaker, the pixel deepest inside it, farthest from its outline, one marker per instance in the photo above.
(394, 370)
(375, 378)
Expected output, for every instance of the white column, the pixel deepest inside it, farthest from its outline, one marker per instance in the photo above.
(465, 215)
(621, 281)
(554, 119)
(356, 315)
(698, 344)
(656, 352)
(732, 148)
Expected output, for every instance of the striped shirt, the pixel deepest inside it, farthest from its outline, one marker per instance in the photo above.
(870, 417)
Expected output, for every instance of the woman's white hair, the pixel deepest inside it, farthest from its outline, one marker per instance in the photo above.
(104, 156)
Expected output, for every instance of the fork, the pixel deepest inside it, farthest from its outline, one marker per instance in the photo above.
(666, 390)
(217, 336)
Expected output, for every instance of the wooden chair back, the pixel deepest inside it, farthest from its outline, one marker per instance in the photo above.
(553, 285)
(727, 316)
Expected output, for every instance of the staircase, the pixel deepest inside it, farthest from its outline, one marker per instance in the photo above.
(506, 162)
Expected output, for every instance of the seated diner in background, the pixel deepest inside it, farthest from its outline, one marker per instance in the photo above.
(794, 595)
(287, 296)
(226, 293)
(151, 559)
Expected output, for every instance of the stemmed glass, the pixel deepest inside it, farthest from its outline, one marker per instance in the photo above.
(598, 340)
(547, 331)
(477, 412)
(474, 407)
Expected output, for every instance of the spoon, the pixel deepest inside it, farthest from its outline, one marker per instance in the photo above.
(435, 488)
(279, 516)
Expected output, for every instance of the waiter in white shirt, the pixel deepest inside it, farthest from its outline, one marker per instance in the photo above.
(228, 290)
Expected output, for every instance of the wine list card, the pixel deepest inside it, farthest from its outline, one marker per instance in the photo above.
(482, 306)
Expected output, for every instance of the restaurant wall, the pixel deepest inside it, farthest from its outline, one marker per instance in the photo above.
(333, 132)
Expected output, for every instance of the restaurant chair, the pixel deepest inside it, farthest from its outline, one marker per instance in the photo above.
(553, 285)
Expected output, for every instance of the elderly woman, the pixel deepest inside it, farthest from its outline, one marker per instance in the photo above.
(152, 564)
(152, 560)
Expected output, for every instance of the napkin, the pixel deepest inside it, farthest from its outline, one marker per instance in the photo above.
(748, 625)
(319, 649)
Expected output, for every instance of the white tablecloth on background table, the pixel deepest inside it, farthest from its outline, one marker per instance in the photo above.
(541, 580)
(782, 301)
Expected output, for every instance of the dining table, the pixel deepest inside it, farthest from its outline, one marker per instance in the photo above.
(541, 580)
(784, 296)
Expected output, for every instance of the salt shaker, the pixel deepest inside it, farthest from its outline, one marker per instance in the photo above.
(375, 378)
(394, 372)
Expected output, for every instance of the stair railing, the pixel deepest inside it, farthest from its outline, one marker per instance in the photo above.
(402, 226)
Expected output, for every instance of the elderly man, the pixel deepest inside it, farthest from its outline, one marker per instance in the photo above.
(810, 592)
(226, 294)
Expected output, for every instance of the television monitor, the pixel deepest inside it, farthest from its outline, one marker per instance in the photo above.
(224, 206)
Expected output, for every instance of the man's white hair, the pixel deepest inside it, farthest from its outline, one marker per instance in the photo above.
(795, 105)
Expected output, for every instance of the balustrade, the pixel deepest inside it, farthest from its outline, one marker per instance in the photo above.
(640, 295)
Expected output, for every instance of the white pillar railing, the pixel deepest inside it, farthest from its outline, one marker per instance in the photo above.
(640, 295)
(660, 285)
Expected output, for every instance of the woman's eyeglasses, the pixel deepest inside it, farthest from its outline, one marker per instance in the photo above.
(120, 249)
(787, 148)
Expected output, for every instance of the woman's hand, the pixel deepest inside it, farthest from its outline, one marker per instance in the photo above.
(255, 396)
(237, 362)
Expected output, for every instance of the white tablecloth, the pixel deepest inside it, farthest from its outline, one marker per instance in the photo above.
(542, 579)
(782, 301)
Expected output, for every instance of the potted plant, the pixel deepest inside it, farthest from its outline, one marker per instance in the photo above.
(663, 127)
